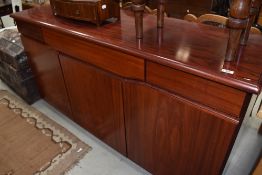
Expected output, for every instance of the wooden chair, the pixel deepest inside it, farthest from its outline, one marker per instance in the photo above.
(147, 9)
(210, 19)
(255, 30)
(216, 20)
(213, 18)
(241, 17)
(150, 11)
(190, 17)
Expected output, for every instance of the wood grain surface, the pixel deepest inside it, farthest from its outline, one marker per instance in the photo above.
(46, 66)
(163, 101)
(194, 48)
(119, 63)
(168, 135)
(212, 94)
(96, 101)
(86, 10)
(31, 30)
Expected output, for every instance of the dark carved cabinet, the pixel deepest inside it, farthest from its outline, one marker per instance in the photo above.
(164, 101)
(170, 135)
(96, 101)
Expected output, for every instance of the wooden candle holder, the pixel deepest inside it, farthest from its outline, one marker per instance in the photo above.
(242, 14)
(238, 20)
(138, 7)
(254, 10)
(160, 13)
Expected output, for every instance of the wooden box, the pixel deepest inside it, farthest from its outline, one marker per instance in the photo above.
(95, 11)
(26, 88)
(12, 50)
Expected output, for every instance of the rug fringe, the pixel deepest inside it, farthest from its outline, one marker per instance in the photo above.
(76, 162)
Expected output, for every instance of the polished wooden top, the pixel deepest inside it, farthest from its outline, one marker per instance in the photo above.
(194, 48)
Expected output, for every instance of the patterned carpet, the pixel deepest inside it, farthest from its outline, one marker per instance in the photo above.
(31, 143)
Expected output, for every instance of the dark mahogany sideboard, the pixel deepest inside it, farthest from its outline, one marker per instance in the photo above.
(164, 101)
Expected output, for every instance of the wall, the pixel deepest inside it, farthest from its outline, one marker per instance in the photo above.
(7, 20)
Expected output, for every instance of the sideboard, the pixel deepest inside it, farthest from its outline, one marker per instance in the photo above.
(168, 102)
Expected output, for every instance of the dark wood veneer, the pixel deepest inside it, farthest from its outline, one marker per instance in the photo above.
(86, 10)
(45, 64)
(215, 95)
(79, 10)
(194, 48)
(167, 135)
(178, 115)
(122, 64)
(30, 30)
(96, 101)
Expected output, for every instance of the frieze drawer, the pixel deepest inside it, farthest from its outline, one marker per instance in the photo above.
(220, 97)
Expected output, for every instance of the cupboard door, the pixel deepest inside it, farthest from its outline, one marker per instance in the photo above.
(169, 135)
(45, 64)
(96, 101)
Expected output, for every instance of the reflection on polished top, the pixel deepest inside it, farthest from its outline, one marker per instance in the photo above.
(194, 48)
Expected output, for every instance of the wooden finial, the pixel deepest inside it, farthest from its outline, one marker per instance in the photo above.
(138, 7)
(160, 13)
(254, 10)
(239, 13)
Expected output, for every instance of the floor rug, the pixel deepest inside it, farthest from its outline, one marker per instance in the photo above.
(31, 143)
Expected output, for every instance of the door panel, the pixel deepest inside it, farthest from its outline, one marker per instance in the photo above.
(168, 135)
(96, 101)
(45, 64)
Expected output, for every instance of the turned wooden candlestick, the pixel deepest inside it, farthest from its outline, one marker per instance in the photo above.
(138, 7)
(254, 10)
(160, 13)
(239, 14)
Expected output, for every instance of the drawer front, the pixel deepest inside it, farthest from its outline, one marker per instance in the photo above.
(217, 96)
(30, 30)
(84, 11)
(108, 59)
